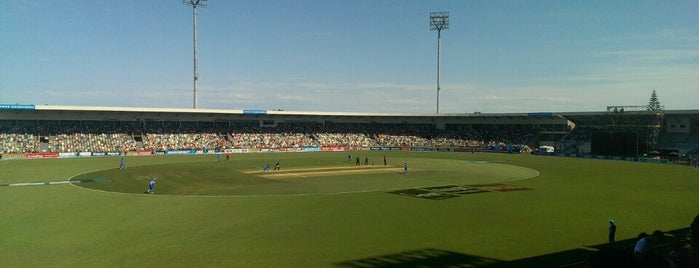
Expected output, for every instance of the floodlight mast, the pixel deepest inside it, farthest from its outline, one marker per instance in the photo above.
(195, 4)
(439, 21)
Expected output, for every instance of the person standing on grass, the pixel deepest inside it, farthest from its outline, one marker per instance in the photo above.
(151, 186)
(276, 166)
(405, 168)
(122, 163)
(612, 233)
(384, 161)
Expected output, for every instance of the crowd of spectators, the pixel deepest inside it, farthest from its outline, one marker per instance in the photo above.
(27, 138)
(90, 142)
(12, 143)
(101, 138)
(183, 141)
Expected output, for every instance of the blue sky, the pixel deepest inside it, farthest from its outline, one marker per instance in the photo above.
(352, 55)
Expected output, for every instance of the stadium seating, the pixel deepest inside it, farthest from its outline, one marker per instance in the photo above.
(76, 137)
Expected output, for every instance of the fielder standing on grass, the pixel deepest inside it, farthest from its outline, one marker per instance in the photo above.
(405, 168)
(151, 186)
(612, 232)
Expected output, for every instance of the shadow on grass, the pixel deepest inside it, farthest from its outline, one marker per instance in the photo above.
(421, 258)
(574, 258)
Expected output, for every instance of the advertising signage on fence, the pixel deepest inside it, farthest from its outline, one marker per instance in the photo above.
(144, 152)
(181, 152)
(385, 148)
(236, 151)
(254, 111)
(332, 148)
(42, 155)
(67, 155)
(17, 107)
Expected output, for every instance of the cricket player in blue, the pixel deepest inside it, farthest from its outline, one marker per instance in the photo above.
(151, 186)
(218, 158)
(266, 168)
(122, 164)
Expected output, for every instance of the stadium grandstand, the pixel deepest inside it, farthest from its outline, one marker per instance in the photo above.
(623, 132)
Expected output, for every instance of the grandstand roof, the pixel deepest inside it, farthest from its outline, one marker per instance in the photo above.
(270, 112)
(601, 118)
(99, 113)
(58, 112)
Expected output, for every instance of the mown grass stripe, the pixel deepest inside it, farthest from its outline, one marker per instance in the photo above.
(38, 183)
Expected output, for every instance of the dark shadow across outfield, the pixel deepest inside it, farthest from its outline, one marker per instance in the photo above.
(421, 258)
(430, 257)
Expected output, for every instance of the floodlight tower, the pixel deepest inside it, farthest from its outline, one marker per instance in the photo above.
(195, 4)
(439, 21)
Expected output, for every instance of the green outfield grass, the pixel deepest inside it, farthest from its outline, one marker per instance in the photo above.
(322, 211)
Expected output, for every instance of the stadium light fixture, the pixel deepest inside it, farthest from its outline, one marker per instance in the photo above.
(195, 4)
(439, 21)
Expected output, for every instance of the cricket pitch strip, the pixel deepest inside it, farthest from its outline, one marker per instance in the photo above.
(324, 171)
